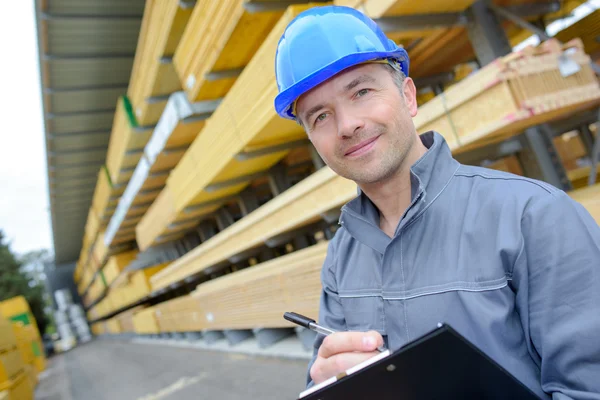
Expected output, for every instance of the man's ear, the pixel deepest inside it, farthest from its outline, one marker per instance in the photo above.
(409, 90)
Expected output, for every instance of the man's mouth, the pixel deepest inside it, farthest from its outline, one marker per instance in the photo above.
(361, 148)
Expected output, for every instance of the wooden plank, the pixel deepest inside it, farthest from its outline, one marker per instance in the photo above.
(298, 206)
(379, 8)
(162, 27)
(221, 36)
(145, 322)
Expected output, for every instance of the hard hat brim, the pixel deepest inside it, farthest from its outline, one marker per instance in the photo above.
(285, 99)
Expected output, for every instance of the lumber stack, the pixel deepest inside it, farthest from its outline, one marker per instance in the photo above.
(513, 93)
(106, 197)
(113, 326)
(259, 295)
(241, 125)
(144, 321)
(178, 126)
(126, 144)
(182, 314)
(587, 29)
(298, 206)
(222, 37)
(116, 264)
(153, 75)
(25, 329)
(126, 319)
(11, 361)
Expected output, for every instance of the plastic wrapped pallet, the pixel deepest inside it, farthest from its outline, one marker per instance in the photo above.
(220, 40)
(153, 75)
(241, 125)
(126, 145)
(515, 92)
(298, 206)
(178, 126)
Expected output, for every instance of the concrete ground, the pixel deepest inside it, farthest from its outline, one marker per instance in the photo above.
(122, 369)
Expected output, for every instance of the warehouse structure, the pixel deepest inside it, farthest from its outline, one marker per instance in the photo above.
(192, 209)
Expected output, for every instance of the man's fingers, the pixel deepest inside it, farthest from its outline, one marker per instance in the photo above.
(325, 368)
(346, 342)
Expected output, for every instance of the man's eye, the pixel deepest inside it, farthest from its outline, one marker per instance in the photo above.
(362, 92)
(321, 117)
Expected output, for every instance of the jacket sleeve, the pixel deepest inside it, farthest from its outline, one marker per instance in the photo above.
(330, 309)
(558, 295)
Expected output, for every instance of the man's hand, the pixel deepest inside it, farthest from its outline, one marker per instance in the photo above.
(342, 350)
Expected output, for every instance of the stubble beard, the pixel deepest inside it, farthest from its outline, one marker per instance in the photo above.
(380, 165)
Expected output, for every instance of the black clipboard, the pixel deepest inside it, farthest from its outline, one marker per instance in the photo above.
(440, 365)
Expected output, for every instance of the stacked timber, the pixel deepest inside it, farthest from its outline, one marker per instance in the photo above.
(225, 156)
(220, 40)
(378, 8)
(298, 206)
(153, 75)
(182, 314)
(144, 322)
(116, 264)
(178, 126)
(520, 90)
(259, 295)
(125, 319)
(106, 197)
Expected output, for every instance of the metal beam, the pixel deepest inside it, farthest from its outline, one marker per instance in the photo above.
(433, 80)
(540, 159)
(265, 151)
(235, 181)
(91, 57)
(485, 32)
(89, 17)
(122, 86)
(490, 152)
(256, 6)
(224, 74)
(595, 161)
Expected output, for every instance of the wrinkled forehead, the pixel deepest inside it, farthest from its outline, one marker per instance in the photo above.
(335, 86)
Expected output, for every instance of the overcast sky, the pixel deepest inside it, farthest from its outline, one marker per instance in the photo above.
(24, 213)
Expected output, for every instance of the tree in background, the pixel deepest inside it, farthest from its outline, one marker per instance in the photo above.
(16, 282)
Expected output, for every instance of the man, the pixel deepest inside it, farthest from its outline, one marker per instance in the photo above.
(511, 263)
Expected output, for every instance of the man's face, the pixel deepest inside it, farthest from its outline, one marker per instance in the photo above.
(360, 123)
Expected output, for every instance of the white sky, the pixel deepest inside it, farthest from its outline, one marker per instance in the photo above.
(24, 211)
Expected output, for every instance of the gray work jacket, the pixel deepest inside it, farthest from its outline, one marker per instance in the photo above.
(511, 263)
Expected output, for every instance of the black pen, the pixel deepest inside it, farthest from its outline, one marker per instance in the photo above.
(312, 325)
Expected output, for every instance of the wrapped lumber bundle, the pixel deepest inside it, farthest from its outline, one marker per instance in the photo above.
(106, 197)
(144, 321)
(126, 144)
(220, 40)
(18, 312)
(259, 295)
(11, 361)
(182, 314)
(177, 128)
(589, 197)
(153, 75)
(117, 264)
(298, 206)
(224, 158)
(17, 388)
(126, 319)
(515, 92)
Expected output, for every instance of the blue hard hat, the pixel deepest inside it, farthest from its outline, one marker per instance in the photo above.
(321, 42)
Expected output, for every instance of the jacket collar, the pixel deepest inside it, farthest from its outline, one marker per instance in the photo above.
(429, 177)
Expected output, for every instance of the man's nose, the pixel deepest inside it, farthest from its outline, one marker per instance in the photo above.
(348, 123)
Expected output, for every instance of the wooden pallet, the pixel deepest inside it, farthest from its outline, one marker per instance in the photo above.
(240, 124)
(153, 73)
(520, 90)
(298, 206)
(221, 36)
